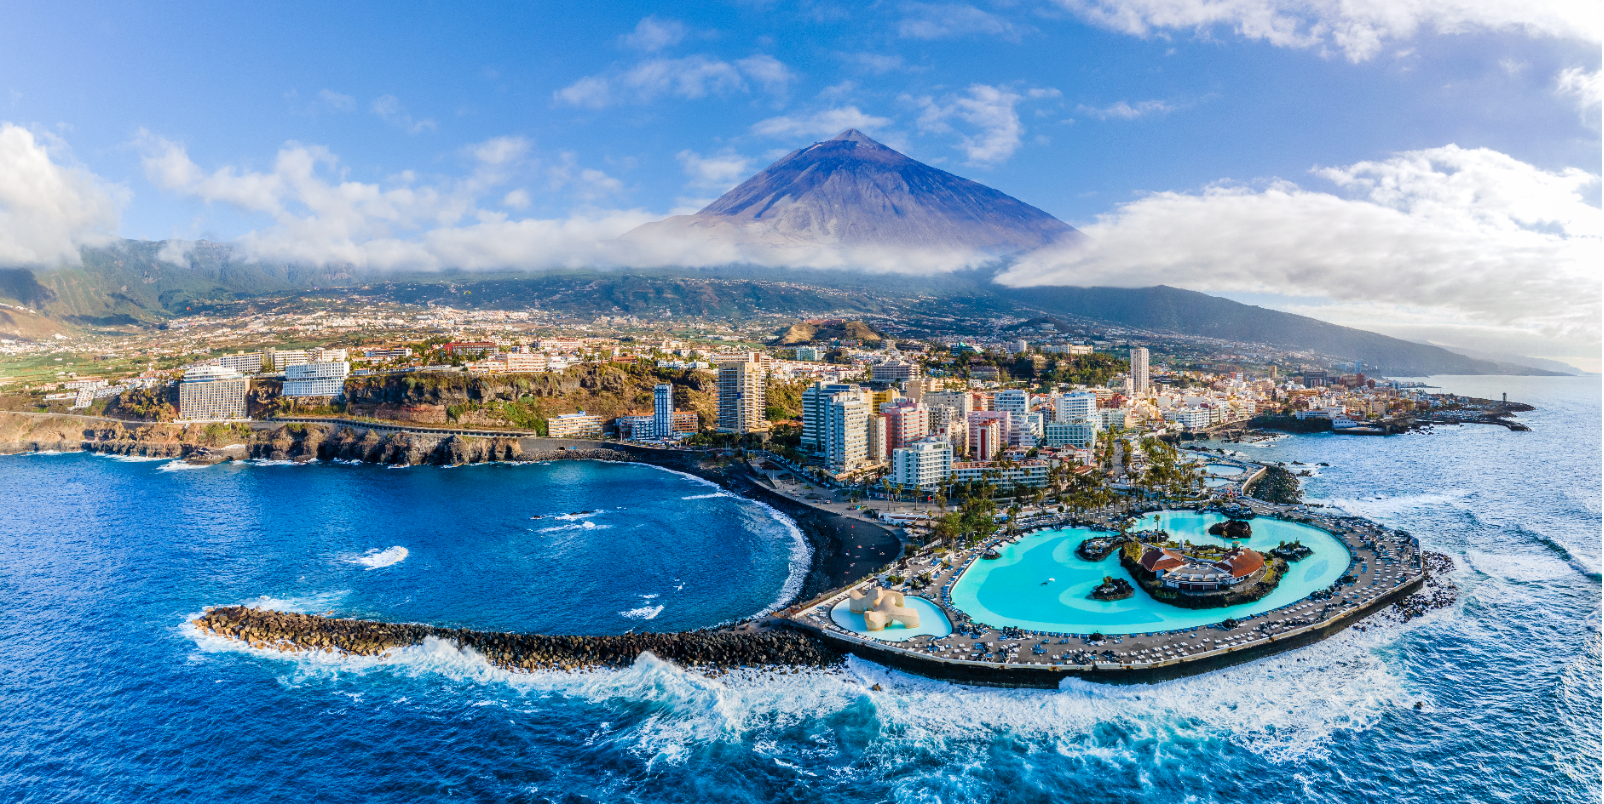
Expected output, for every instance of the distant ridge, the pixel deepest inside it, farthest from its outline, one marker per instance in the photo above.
(853, 192)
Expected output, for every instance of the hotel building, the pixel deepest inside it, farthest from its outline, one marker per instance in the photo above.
(212, 392)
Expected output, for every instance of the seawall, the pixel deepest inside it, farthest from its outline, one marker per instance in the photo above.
(710, 651)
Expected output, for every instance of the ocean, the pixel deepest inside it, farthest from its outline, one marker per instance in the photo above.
(108, 694)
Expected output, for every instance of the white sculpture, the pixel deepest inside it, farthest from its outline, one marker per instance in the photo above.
(881, 607)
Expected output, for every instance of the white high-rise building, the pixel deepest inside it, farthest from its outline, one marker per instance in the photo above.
(1028, 430)
(925, 464)
(316, 379)
(663, 411)
(815, 401)
(894, 371)
(875, 439)
(1139, 369)
(846, 432)
(212, 392)
(242, 362)
(1012, 401)
(1081, 433)
(741, 398)
(962, 401)
(1072, 407)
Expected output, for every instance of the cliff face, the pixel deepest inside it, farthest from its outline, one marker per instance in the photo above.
(348, 443)
(46, 433)
(215, 443)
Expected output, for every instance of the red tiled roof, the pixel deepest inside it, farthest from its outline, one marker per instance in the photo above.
(1159, 560)
(1243, 563)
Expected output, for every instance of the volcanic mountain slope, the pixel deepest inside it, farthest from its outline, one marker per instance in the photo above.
(853, 192)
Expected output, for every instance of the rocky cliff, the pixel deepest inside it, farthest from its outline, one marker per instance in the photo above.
(215, 443)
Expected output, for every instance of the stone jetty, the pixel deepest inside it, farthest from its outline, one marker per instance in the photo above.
(713, 651)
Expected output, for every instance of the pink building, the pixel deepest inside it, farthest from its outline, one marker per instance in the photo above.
(906, 421)
(988, 432)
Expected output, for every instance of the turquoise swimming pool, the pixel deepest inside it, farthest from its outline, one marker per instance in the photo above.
(1223, 469)
(1041, 585)
(932, 621)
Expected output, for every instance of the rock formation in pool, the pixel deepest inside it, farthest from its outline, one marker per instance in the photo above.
(1113, 589)
(1235, 529)
(1098, 548)
(1201, 576)
(1291, 551)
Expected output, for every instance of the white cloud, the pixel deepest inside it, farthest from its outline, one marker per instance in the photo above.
(717, 172)
(1359, 28)
(826, 123)
(1472, 235)
(952, 20)
(1128, 111)
(388, 108)
(48, 210)
(589, 184)
(591, 92)
(317, 217)
(1583, 87)
(652, 34)
(991, 111)
(336, 102)
(691, 77)
(769, 72)
(877, 63)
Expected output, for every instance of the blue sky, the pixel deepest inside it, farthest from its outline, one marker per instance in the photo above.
(171, 121)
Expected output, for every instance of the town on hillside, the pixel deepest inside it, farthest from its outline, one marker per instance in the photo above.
(1010, 403)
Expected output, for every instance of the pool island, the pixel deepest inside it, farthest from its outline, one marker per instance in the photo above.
(1035, 608)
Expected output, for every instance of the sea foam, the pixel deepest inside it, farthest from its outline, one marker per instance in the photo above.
(376, 558)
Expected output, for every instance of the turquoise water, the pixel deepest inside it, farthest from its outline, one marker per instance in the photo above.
(1040, 584)
(1222, 470)
(931, 621)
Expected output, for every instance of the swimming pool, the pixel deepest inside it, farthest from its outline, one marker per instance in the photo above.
(931, 621)
(1041, 585)
(1223, 469)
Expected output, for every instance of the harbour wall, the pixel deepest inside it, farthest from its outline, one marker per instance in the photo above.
(713, 651)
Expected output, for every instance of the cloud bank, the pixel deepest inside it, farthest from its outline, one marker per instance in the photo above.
(1471, 236)
(1359, 29)
(48, 211)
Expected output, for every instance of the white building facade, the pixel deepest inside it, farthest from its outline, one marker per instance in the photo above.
(925, 464)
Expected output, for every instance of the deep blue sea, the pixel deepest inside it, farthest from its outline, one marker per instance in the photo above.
(107, 695)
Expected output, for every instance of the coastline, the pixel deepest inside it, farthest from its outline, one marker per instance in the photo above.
(845, 552)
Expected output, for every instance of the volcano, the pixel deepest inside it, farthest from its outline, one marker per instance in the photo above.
(854, 193)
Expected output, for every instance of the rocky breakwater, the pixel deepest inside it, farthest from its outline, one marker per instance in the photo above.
(1438, 591)
(713, 652)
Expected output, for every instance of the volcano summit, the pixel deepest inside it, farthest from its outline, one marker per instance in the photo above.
(855, 194)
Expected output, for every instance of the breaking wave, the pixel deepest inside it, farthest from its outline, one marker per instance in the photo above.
(376, 558)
